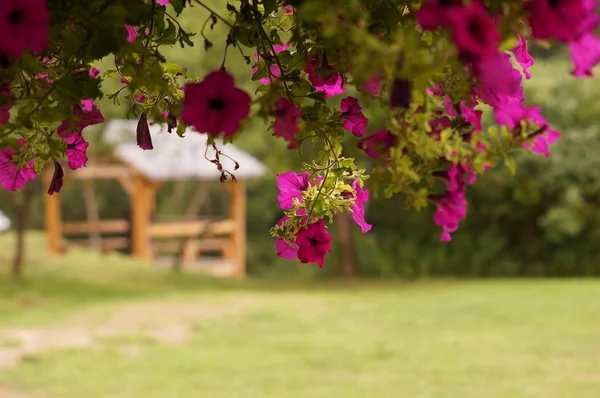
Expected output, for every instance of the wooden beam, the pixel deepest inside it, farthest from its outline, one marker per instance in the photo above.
(225, 227)
(103, 226)
(202, 245)
(175, 229)
(99, 172)
(237, 211)
(112, 243)
(144, 192)
(52, 217)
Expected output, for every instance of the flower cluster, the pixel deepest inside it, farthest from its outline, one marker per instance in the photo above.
(427, 66)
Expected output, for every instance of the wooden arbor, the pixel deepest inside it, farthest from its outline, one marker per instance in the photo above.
(141, 173)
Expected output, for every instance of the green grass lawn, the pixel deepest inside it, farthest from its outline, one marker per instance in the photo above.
(470, 339)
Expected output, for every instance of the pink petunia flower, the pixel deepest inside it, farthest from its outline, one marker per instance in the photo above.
(284, 249)
(451, 206)
(274, 68)
(330, 85)
(401, 93)
(57, 179)
(24, 25)
(474, 32)
(286, 121)
(354, 120)
(358, 207)
(162, 2)
(433, 14)
(215, 106)
(94, 72)
(13, 177)
(291, 186)
(585, 53)
(131, 33)
(378, 144)
(371, 86)
(558, 19)
(143, 137)
(76, 151)
(522, 56)
(314, 242)
(82, 118)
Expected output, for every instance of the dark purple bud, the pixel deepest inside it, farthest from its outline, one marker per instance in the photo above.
(57, 179)
(171, 122)
(144, 140)
(401, 95)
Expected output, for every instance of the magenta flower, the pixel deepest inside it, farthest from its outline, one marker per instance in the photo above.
(131, 33)
(439, 124)
(585, 53)
(87, 105)
(291, 186)
(358, 207)
(371, 86)
(541, 142)
(499, 83)
(162, 2)
(76, 151)
(24, 25)
(378, 143)
(274, 68)
(522, 56)
(433, 14)
(401, 93)
(331, 85)
(314, 242)
(354, 120)
(286, 121)
(82, 118)
(284, 249)
(474, 32)
(215, 106)
(13, 177)
(470, 115)
(451, 208)
(94, 72)
(558, 19)
(143, 137)
(57, 179)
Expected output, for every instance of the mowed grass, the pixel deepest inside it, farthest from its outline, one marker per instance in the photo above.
(479, 339)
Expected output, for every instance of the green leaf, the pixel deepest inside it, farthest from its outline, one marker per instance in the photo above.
(169, 35)
(269, 6)
(178, 5)
(181, 129)
(510, 163)
(318, 96)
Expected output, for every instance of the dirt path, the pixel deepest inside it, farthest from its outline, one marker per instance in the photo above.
(169, 322)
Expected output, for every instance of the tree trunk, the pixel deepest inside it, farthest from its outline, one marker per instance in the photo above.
(93, 214)
(344, 225)
(21, 208)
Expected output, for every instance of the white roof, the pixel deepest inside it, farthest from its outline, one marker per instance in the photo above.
(177, 158)
(4, 223)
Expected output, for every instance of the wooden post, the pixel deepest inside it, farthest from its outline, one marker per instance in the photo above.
(142, 206)
(237, 211)
(52, 216)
